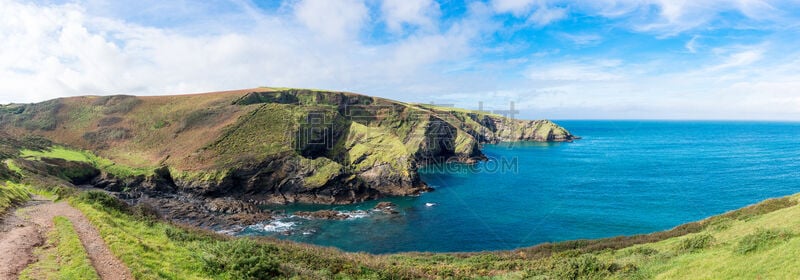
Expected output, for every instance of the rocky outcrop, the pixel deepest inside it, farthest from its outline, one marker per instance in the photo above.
(358, 148)
(322, 215)
(214, 213)
(227, 154)
(386, 207)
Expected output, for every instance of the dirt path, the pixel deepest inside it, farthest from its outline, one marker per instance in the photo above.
(25, 229)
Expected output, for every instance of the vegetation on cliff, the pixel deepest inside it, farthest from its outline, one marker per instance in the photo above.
(270, 145)
(11, 194)
(753, 242)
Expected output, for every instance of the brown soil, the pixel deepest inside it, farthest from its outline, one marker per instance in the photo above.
(24, 229)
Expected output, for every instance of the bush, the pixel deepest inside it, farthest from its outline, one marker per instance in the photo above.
(762, 239)
(582, 267)
(696, 243)
(201, 118)
(241, 259)
(117, 103)
(145, 212)
(643, 250)
(107, 134)
(764, 207)
(104, 200)
(184, 233)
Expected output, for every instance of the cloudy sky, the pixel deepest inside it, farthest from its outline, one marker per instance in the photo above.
(608, 59)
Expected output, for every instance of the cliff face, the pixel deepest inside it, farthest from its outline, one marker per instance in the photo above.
(270, 145)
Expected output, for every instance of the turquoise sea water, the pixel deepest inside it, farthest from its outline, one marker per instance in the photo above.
(622, 178)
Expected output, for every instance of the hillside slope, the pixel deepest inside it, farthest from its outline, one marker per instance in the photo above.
(755, 242)
(265, 145)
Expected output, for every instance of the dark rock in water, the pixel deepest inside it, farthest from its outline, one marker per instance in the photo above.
(385, 204)
(322, 214)
(214, 213)
(230, 206)
(386, 207)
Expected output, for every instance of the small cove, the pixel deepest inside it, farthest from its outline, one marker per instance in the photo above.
(622, 178)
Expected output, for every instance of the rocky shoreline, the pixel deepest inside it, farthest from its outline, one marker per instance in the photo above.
(265, 146)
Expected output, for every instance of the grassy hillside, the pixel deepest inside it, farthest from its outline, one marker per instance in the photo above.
(760, 241)
(268, 145)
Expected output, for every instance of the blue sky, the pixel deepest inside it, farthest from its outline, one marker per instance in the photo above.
(603, 59)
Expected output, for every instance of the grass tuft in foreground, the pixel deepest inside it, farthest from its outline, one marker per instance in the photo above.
(63, 257)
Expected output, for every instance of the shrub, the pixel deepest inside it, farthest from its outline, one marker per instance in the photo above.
(181, 233)
(582, 267)
(696, 243)
(764, 207)
(106, 134)
(720, 224)
(117, 103)
(160, 124)
(762, 239)
(241, 259)
(104, 200)
(145, 212)
(109, 121)
(285, 97)
(644, 251)
(38, 116)
(199, 118)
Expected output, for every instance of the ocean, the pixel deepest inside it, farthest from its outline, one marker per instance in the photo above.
(622, 178)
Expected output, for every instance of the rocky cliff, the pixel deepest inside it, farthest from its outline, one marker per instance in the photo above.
(268, 145)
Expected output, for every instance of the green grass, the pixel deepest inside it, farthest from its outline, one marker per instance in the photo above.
(57, 152)
(12, 194)
(266, 131)
(368, 146)
(142, 245)
(696, 243)
(118, 170)
(63, 257)
(13, 167)
(743, 249)
(157, 250)
(324, 170)
(762, 239)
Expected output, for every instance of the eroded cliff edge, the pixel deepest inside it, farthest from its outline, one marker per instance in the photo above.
(232, 150)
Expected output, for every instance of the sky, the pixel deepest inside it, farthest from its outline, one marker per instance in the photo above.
(593, 59)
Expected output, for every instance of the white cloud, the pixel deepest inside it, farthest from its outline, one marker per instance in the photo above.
(574, 71)
(342, 19)
(538, 12)
(663, 17)
(678, 16)
(582, 39)
(516, 7)
(691, 45)
(738, 59)
(49, 51)
(419, 13)
(544, 15)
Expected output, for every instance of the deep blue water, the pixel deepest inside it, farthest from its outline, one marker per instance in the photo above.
(622, 178)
